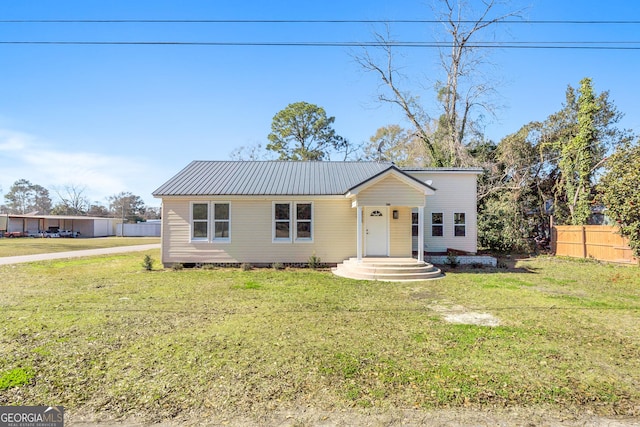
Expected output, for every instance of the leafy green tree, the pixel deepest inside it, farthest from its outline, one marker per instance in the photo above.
(24, 197)
(19, 197)
(619, 187)
(575, 141)
(41, 199)
(127, 206)
(577, 156)
(97, 209)
(502, 224)
(392, 143)
(302, 131)
(507, 192)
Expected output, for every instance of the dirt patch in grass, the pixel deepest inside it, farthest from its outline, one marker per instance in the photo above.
(309, 416)
(460, 315)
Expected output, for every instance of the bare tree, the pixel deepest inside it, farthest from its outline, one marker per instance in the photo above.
(463, 89)
(249, 153)
(407, 103)
(73, 200)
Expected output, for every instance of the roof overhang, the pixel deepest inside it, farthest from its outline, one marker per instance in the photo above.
(58, 217)
(397, 173)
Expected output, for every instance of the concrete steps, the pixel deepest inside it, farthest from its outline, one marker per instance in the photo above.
(387, 269)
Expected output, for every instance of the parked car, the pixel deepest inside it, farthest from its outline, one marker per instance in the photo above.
(35, 233)
(51, 233)
(68, 233)
(13, 234)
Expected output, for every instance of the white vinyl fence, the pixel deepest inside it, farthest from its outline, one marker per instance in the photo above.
(141, 229)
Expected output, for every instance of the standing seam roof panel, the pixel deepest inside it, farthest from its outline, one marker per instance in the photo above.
(269, 178)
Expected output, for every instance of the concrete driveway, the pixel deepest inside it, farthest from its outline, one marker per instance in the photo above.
(76, 254)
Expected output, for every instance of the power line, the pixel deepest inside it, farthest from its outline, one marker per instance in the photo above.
(585, 45)
(310, 21)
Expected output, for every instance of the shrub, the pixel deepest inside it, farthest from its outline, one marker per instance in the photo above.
(619, 188)
(246, 266)
(177, 266)
(501, 225)
(277, 266)
(314, 261)
(452, 260)
(147, 263)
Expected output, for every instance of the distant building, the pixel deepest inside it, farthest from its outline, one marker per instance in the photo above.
(33, 225)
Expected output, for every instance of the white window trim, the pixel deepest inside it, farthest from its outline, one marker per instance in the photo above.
(458, 225)
(212, 209)
(431, 224)
(191, 222)
(275, 239)
(295, 223)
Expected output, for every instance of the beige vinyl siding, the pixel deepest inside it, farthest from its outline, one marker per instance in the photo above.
(455, 192)
(390, 191)
(333, 224)
(400, 232)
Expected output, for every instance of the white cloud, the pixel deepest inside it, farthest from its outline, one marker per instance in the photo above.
(41, 162)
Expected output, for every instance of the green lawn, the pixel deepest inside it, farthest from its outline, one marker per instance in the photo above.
(31, 246)
(102, 335)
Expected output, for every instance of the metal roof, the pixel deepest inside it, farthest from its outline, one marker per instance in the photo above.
(57, 217)
(205, 178)
(444, 169)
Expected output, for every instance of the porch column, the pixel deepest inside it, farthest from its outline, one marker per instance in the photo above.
(359, 228)
(420, 233)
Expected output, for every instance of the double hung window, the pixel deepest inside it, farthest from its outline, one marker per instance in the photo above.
(303, 221)
(459, 224)
(437, 224)
(200, 221)
(222, 221)
(282, 221)
(210, 221)
(414, 224)
(292, 222)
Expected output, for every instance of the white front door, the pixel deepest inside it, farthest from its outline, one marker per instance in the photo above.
(376, 231)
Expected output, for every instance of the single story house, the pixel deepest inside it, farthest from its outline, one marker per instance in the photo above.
(262, 212)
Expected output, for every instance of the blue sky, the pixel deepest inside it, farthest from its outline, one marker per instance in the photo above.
(126, 118)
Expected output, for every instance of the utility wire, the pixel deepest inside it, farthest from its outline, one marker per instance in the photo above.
(311, 21)
(589, 45)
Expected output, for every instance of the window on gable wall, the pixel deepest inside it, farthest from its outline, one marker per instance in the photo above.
(200, 221)
(437, 224)
(222, 221)
(459, 224)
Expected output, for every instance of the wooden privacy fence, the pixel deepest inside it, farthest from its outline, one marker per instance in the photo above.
(601, 242)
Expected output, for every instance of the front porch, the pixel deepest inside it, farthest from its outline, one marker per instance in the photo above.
(387, 269)
(384, 206)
